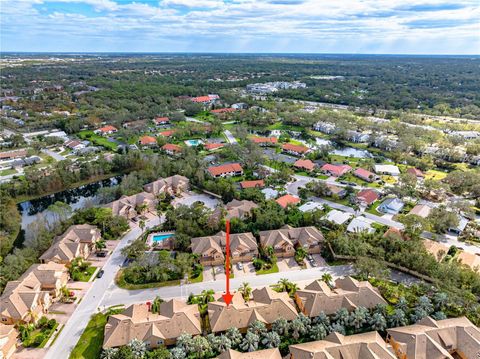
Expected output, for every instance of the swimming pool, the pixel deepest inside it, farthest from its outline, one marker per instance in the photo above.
(193, 142)
(161, 237)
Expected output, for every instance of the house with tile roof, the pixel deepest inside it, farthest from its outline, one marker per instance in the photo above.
(348, 293)
(367, 197)
(213, 146)
(147, 141)
(161, 121)
(368, 345)
(287, 200)
(286, 239)
(306, 165)
(421, 210)
(333, 190)
(167, 133)
(77, 241)
(266, 305)
(8, 341)
(416, 172)
(239, 209)
(219, 111)
(171, 149)
(258, 354)
(173, 185)
(29, 297)
(212, 249)
(265, 141)
(296, 150)
(154, 329)
(252, 184)
(365, 175)
(429, 338)
(226, 170)
(132, 206)
(335, 170)
(106, 130)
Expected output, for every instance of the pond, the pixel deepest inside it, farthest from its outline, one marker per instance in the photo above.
(77, 198)
(352, 152)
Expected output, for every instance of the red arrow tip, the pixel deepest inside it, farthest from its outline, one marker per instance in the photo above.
(227, 297)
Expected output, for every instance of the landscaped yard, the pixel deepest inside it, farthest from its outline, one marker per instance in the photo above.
(273, 269)
(85, 275)
(120, 280)
(373, 209)
(435, 175)
(39, 336)
(98, 140)
(7, 172)
(197, 279)
(89, 345)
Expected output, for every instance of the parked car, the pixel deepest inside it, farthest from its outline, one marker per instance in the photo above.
(240, 265)
(101, 254)
(100, 273)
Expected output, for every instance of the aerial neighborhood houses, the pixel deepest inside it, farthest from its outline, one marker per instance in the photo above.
(285, 240)
(367, 197)
(271, 87)
(365, 175)
(106, 130)
(265, 141)
(335, 170)
(27, 298)
(391, 170)
(296, 150)
(78, 241)
(391, 206)
(172, 149)
(226, 170)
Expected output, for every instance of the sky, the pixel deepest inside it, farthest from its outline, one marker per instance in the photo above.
(242, 26)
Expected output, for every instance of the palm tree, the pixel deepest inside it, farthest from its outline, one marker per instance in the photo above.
(219, 343)
(101, 244)
(207, 296)
(318, 332)
(378, 322)
(425, 304)
(284, 285)
(280, 326)
(359, 317)
(402, 304)
(337, 328)
(271, 340)
(250, 342)
(137, 347)
(109, 353)
(156, 304)
(341, 316)
(397, 319)
(327, 278)
(246, 291)
(298, 328)
(235, 336)
(257, 327)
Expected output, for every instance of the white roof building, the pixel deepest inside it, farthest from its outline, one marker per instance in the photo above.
(361, 224)
(387, 169)
(270, 193)
(337, 216)
(310, 206)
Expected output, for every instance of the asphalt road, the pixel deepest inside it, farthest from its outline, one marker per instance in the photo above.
(89, 305)
(230, 138)
(55, 155)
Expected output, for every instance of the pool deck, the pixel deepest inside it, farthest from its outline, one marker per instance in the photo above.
(166, 243)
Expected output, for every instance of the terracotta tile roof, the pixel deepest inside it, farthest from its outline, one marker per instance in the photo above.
(213, 146)
(13, 154)
(287, 200)
(223, 110)
(271, 140)
(259, 354)
(167, 133)
(161, 120)
(172, 147)
(240, 243)
(336, 170)
(416, 172)
(302, 236)
(295, 148)
(252, 184)
(148, 140)
(306, 164)
(226, 168)
(108, 128)
(363, 173)
(367, 196)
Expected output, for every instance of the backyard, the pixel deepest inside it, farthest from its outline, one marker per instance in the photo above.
(97, 140)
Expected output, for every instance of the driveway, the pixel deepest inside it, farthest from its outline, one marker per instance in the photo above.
(55, 155)
(190, 198)
(207, 274)
(319, 261)
(288, 264)
(248, 270)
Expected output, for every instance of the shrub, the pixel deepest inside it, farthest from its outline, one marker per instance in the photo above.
(51, 323)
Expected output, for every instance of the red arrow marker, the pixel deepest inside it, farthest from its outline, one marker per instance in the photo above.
(227, 297)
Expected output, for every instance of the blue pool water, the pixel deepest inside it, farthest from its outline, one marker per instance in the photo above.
(161, 237)
(193, 142)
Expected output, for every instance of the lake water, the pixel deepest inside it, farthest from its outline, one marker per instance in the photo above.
(352, 152)
(77, 198)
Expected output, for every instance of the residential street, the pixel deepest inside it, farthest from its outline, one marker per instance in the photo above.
(55, 155)
(78, 321)
(232, 140)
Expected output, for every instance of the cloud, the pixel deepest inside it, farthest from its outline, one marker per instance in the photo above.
(377, 26)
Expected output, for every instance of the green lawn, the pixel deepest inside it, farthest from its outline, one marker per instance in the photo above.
(120, 280)
(97, 139)
(351, 178)
(89, 346)
(37, 334)
(373, 209)
(7, 172)
(85, 276)
(198, 279)
(274, 269)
